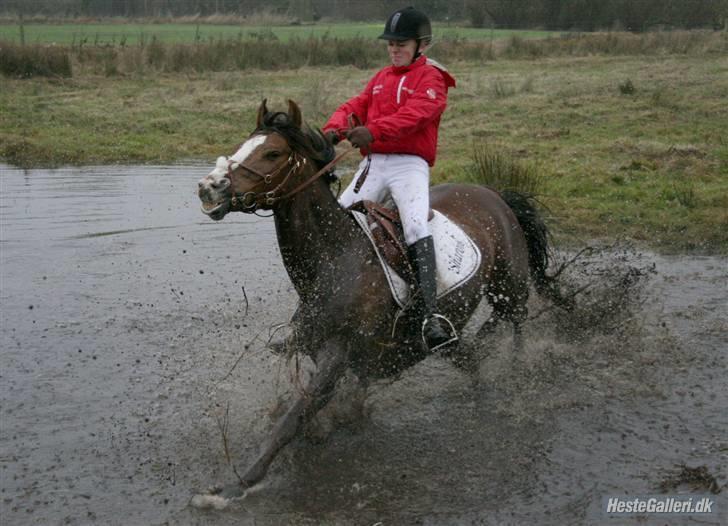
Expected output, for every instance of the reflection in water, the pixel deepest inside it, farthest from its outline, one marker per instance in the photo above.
(124, 310)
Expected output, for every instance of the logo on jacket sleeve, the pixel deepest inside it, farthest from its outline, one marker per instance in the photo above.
(431, 93)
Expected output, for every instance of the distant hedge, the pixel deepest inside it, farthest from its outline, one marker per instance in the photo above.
(273, 54)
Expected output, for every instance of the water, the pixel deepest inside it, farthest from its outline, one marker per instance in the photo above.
(132, 324)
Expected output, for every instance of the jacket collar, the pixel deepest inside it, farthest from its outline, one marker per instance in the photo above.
(421, 61)
(418, 63)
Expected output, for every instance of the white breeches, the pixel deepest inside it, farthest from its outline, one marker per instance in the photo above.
(404, 178)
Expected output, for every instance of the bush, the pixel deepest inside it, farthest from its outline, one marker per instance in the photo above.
(501, 171)
(626, 87)
(34, 61)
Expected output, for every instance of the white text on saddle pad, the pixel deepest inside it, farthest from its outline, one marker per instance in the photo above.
(457, 257)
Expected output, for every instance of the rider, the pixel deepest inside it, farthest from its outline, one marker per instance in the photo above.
(399, 114)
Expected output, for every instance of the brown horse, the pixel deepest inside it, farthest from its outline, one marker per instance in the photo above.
(344, 319)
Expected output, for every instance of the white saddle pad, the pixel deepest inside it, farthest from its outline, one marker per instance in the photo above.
(456, 255)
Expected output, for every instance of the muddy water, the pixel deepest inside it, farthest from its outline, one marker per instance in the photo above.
(132, 326)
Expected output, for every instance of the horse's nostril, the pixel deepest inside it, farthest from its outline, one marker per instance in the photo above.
(220, 183)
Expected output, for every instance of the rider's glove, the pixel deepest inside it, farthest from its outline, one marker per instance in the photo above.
(359, 137)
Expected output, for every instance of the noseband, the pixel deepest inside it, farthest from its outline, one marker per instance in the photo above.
(251, 200)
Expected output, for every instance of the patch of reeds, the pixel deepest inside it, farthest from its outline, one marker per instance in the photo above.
(501, 171)
(664, 98)
(259, 18)
(682, 193)
(501, 89)
(265, 51)
(626, 87)
(34, 61)
(527, 84)
(618, 43)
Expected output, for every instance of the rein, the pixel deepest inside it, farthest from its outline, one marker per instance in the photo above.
(251, 200)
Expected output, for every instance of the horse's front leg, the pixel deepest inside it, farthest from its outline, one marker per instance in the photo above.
(331, 364)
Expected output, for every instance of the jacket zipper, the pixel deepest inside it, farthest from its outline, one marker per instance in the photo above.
(399, 88)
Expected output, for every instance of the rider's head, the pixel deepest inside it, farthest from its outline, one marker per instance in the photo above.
(408, 32)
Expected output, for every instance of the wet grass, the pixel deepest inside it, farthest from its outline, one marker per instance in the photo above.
(649, 165)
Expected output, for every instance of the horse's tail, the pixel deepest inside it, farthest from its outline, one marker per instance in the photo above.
(537, 240)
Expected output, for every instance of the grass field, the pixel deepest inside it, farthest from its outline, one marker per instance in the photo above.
(131, 34)
(626, 146)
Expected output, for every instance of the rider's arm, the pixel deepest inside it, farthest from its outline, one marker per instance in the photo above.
(339, 121)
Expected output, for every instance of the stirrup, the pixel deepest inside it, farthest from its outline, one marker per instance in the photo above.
(451, 331)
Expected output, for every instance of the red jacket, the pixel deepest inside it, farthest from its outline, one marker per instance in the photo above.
(401, 107)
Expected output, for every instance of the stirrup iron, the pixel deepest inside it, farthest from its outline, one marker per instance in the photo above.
(450, 330)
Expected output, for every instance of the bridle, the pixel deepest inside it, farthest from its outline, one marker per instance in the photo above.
(251, 200)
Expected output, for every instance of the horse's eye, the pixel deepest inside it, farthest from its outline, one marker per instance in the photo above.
(273, 155)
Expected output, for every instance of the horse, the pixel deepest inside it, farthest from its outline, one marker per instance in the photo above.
(344, 320)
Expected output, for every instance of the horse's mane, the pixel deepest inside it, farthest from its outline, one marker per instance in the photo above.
(304, 140)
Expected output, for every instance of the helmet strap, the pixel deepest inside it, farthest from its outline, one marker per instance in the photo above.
(418, 53)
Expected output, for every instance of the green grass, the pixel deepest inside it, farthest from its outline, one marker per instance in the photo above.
(132, 34)
(650, 165)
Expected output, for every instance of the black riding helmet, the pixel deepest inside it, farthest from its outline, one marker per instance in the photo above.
(406, 24)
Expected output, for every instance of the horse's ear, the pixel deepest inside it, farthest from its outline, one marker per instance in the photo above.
(294, 113)
(262, 111)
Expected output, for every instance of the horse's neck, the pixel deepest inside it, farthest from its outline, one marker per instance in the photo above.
(313, 232)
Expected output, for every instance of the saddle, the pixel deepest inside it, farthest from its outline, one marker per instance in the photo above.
(386, 229)
(457, 256)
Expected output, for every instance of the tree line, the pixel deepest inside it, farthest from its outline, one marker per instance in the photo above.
(581, 15)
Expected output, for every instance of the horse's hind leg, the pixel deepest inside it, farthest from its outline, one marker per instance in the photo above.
(514, 310)
(466, 358)
(518, 315)
(518, 341)
(488, 326)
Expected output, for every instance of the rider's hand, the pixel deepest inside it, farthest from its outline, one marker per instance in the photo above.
(332, 137)
(359, 137)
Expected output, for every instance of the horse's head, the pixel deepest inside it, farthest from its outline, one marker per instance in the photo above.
(267, 168)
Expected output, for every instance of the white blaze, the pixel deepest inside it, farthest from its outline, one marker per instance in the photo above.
(248, 147)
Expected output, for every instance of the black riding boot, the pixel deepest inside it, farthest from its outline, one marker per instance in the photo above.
(422, 256)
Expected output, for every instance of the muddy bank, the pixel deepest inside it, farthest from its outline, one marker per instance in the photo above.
(131, 324)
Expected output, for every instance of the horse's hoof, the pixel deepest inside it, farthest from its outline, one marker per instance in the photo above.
(209, 501)
(232, 491)
(219, 498)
